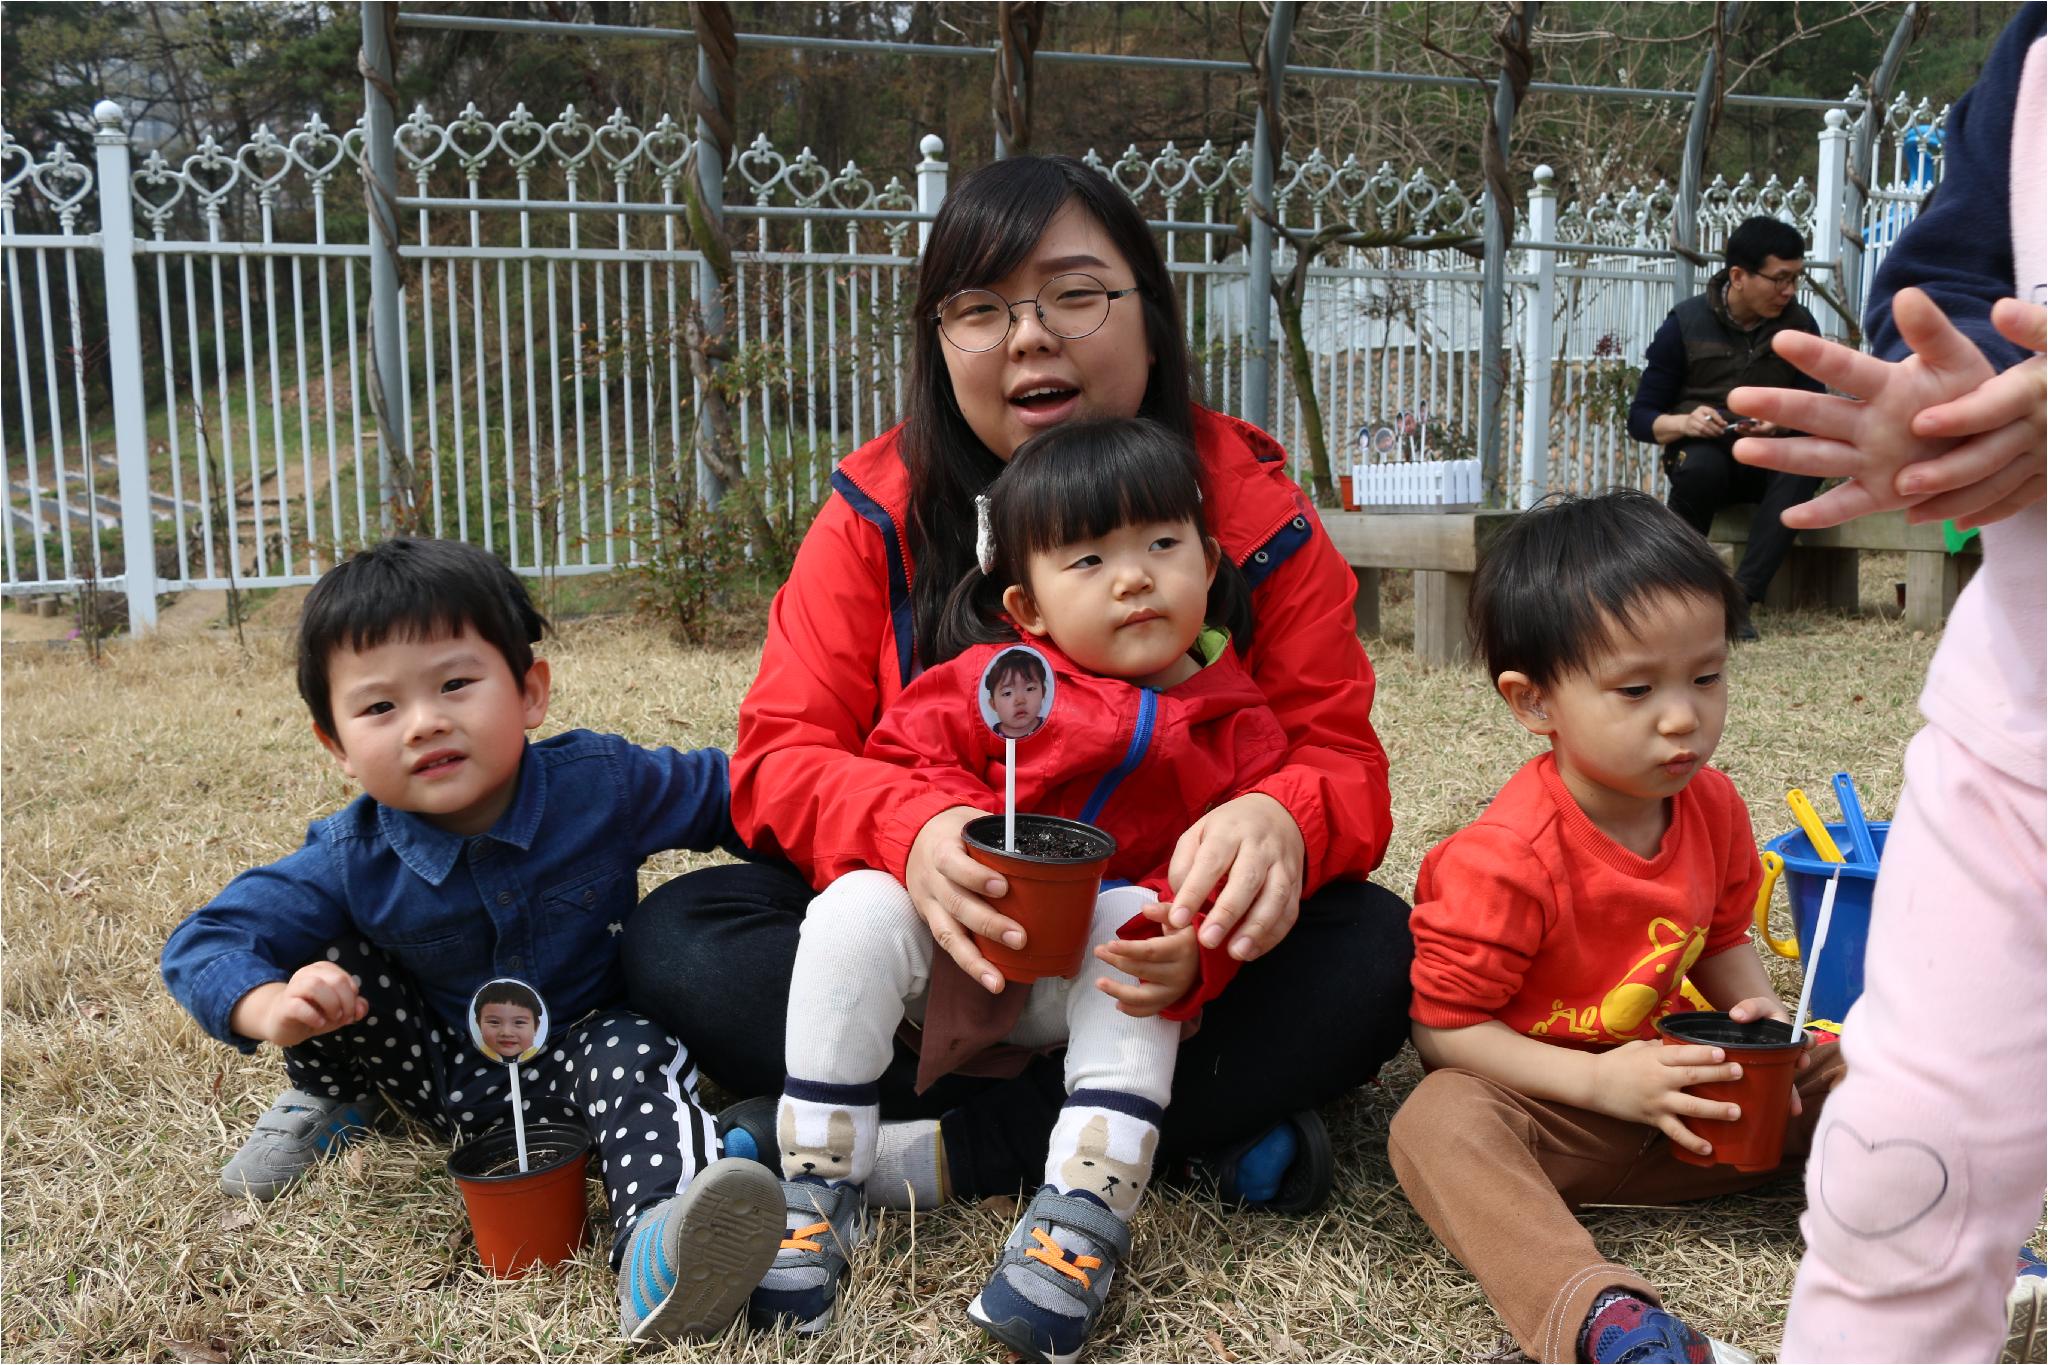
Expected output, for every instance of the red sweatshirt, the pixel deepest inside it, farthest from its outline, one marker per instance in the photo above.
(1532, 916)
(840, 648)
(1141, 764)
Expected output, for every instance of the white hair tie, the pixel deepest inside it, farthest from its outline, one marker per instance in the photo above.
(984, 535)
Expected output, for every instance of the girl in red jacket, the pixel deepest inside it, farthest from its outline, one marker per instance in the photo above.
(1100, 586)
(1281, 869)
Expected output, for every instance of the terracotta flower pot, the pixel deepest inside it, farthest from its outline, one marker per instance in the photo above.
(1764, 1047)
(1054, 876)
(523, 1218)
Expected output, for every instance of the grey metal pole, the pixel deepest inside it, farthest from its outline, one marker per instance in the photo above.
(1258, 404)
(710, 169)
(1493, 379)
(124, 355)
(381, 159)
(1685, 226)
(1860, 169)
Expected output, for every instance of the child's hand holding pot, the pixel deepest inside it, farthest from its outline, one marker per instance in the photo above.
(1645, 1082)
(1771, 1007)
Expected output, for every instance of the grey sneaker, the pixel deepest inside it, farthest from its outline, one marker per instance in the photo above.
(298, 1130)
(694, 1258)
(1050, 1282)
(821, 1227)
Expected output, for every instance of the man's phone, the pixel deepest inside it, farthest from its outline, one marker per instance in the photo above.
(1738, 425)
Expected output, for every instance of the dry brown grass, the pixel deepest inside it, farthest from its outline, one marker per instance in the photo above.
(134, 791)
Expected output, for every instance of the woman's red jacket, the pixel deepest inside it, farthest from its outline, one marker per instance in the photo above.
(840, 648)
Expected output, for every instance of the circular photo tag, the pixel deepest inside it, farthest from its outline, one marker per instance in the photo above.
(508, 1021)
(1016, 692)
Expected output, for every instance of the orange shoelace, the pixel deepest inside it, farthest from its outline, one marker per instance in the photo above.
(1055, 1255)
(801, 1239)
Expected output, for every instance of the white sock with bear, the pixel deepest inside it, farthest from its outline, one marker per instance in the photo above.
(1102, 1147)
(827, 1132)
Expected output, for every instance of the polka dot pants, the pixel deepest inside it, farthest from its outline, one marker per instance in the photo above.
(613, 1073)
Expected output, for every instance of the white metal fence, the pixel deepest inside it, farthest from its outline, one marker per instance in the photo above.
(190, 405)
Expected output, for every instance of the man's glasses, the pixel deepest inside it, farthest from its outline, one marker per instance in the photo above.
(1784, 279)
(1070, 306)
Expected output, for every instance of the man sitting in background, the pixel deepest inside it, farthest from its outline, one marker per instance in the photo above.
(1712, 343)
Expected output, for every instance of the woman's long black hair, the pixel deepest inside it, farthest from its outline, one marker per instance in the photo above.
(1079, 481)
(987, 227)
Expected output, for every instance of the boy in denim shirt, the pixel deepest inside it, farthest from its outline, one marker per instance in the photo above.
(474, 855)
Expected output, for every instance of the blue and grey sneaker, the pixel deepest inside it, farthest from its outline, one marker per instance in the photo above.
(297, 1131)
(1052, 1277)
(694, 1258)
(821, 1226)
(2026, 1309)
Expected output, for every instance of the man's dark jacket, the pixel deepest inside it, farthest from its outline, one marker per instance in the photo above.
(1699, 354)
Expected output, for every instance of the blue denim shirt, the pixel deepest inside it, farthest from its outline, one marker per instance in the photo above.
(543, 896)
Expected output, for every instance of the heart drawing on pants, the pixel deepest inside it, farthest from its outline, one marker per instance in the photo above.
(1886, 1187)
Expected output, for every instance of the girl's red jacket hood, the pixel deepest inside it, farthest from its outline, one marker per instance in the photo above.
(840, 648)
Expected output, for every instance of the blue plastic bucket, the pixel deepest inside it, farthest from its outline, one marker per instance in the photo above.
(1806, 878)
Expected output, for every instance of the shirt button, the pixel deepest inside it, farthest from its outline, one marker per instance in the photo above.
(514, 962)
(504, 898)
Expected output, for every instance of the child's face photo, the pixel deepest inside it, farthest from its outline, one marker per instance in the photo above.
(1015, 692)
(507, 1029)
(436, 727)
(1016, 700)
(1647, 712)
(1125, 605)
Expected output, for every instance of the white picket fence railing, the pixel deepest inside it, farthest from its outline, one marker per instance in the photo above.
(205, 416)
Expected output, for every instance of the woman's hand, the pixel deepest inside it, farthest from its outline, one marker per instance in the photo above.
(948, 887)
(1251, 845)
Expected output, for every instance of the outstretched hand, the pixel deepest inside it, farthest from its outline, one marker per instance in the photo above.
(1937, 432)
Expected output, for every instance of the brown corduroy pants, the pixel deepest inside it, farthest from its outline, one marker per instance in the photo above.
(1497, 1175)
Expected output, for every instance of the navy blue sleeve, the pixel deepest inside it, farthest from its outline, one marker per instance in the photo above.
(1960, 248)
(678, 800)
(266, 924)
(1663, 378)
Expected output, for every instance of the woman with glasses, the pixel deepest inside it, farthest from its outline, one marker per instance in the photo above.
(1042, 299)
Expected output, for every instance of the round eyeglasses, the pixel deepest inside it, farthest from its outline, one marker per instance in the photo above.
(1070, 306)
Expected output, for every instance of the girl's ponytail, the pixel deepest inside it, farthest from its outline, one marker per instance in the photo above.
(972, 615)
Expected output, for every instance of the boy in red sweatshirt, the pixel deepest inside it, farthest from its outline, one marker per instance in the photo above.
(1553, 933)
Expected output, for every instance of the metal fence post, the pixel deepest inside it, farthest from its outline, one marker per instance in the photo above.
(380, 161)
(931, 183)
(1258, 304)
(1537, 356)
(709, 168)
(124, 356)
(1830, 242)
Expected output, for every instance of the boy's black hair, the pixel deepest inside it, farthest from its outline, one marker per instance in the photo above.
(1016, 663)
(507, 993)
(1761, 236)
(1075, 482)
(412, 588)
(1551, 582)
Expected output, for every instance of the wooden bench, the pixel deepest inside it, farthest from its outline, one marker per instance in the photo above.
(1821, 569)
(1444, 550)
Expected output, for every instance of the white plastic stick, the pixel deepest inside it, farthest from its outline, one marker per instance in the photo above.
(1009, 795)
(518, 1118)
(1820, 936)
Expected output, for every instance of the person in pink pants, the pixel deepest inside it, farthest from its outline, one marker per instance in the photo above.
(1929, 1163)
